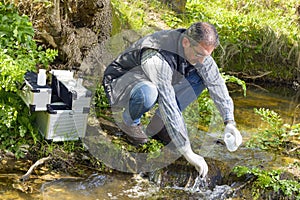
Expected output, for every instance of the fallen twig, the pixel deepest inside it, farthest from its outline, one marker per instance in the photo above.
(37, 163)
(294, 149)
(234, 190)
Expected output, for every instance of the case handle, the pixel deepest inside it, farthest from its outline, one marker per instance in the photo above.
(50, 109)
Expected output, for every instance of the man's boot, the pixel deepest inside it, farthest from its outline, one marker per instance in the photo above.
(157, 130)
(135, 134)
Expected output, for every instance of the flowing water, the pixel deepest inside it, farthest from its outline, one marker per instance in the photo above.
(174, 182)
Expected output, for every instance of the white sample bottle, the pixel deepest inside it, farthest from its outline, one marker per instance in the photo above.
(41, 78)
(229, 140)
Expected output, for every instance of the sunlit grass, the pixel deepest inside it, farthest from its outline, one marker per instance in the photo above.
(256, 36)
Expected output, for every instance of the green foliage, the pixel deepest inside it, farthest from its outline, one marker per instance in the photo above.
(135, 13)
(19, 53)
(255, 35)
(153, 148)
(206, 108)
(233, 79)
(271, 117)
(206, 112)
(252, 34)
(101, 100)
(15, 129)
(269, 180)
(277, 135)
(171, 20)
(101, 103)
(16, 31)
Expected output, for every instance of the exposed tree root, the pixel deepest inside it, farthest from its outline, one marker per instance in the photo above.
(252, 77)
(37, 163)
(259, 87)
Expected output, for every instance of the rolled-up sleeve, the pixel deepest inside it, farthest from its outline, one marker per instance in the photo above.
(160, 73)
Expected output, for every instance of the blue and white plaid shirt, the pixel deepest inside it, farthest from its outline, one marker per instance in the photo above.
(157, 69)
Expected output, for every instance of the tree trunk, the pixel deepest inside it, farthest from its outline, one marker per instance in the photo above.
(73, 27)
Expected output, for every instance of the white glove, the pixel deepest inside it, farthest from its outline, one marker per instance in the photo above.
(196, 160)
(230, 128)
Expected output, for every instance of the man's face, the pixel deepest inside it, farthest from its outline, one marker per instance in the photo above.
(196, 53)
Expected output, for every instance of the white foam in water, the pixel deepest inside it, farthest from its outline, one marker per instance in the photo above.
(200, 183)
(200, 188)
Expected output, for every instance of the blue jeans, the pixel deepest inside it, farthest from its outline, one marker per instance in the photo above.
(144, 95)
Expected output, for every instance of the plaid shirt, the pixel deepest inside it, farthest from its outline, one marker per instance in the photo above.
(157, 69)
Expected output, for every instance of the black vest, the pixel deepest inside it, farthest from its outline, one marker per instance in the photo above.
(167, 42)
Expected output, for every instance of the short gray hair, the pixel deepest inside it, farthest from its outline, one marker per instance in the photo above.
(203, 32)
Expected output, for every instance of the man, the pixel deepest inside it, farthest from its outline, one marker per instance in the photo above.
(171, 68)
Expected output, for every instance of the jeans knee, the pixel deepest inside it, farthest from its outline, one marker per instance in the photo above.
(150, 94)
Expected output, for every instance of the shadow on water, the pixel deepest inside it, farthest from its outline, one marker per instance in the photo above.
(178, 180)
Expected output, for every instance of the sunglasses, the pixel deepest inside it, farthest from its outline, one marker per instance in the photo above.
(198, 54)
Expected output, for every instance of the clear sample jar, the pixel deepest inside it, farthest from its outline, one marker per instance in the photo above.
(41, 78)
(229, 140)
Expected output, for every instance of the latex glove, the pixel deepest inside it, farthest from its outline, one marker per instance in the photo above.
(196, 160)
(230, 128)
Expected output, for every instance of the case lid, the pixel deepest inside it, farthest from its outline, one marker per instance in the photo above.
(31, 79)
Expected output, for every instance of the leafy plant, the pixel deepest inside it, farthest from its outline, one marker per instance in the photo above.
(233, 79)
(153, 148)
(252, 35)
(134, 17)
(19, 53)
(19, 50)
(205, 112)
(269, 180)
(171, 20)
(15, 129)
(101, 101)
(277, 135)
(101, 104)
(206, 109)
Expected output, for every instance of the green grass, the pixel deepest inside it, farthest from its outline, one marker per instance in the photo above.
(256, 36)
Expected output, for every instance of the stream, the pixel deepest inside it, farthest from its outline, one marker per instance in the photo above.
(176, 181)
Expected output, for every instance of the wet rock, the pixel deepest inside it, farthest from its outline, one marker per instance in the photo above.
(182, 174)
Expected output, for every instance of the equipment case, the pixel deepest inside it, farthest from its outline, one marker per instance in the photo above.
(64, 116)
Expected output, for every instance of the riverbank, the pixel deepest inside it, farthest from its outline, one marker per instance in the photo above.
(71, 164)
(73, 160)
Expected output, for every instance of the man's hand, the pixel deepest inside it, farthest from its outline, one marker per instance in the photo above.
(196, 160)
(230, 128)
